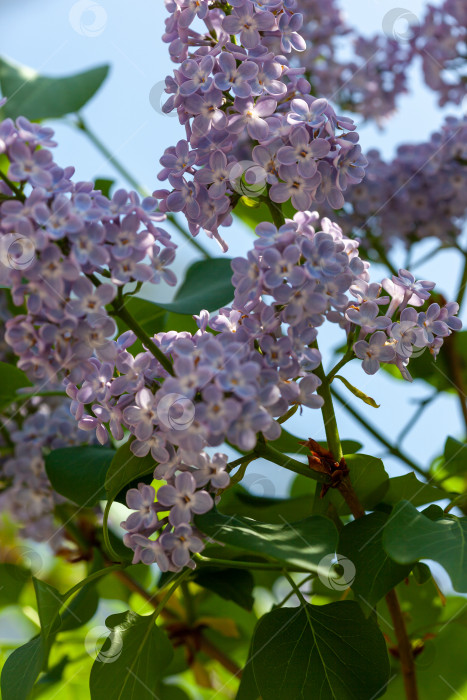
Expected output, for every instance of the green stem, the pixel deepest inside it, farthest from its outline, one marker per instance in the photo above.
(273, 455)
(463, 282)
(13, 187)
(310, 577)
(92, 577)
(119, 167)
(295, 588)
(276, 211)
(127, 318)
(349, 355)
(329, 416)
(170, 593)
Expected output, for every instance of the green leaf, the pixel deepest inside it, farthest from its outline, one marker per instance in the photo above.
(81, 609)
(21, 670)
(132, 659)
(329, 651)
(303, 543)
(104, 185)
(171, 692)
(79, 473)
(409, 488)
(150, 316)
(369, 479)
(455, 457)
(206, 285)
(238, 501)
(421, 573)
(230, 584)
(248, 689)
(11, 379)
(124, 468)
(374, 574)
(39, 97)
(410, 536)
(53, 676)
(356, 392)
(12, 581)
(49, 602)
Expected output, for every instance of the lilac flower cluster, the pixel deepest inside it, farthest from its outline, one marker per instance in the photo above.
(54, 235)
(190, 479)
(396, 341)
(228, 96)
(441, 44)
(419, 194)
(309, 274)
(37, 427)
(367, 83)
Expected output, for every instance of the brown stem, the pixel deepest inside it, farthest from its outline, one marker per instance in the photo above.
(215, 653)
(404, 646)
(205, 645)
(348, 493)
(455, 371)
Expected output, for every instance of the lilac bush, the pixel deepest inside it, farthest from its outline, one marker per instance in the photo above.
(129, 401)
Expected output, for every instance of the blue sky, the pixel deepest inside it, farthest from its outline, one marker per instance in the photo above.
(53, 37)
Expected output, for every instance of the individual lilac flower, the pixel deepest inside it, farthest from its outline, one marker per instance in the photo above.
(307, 111)
(191, 9)
(328, 189)
(350, 165)
(160, 261)
(59, 219)
(283, 266)
(142, 417)
(408, 283)
(368, 292)
(213, 470)
(184, 197)
(267, 80)
(239, 378)
(183, 499)
(31, 166)
(141, 500)
(250, 116)
(407, 333)
(404, 289)
(156, 444)
(180, 543)
(431, 324)
(367, 317)
(147, 551)
(288, 27)
(373, 353)
(248, 23)
(303, 152)
(216, 412)
(448, 316)
(198, 74)
(177, 161)
(217, 175)
(90, 300)
(206, 110)
(308, 396)
(295, 187)
(233, 78)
